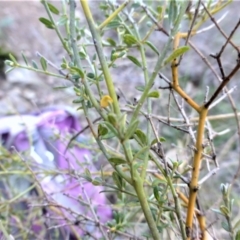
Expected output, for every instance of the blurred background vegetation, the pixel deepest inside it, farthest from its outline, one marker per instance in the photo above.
(23, 91)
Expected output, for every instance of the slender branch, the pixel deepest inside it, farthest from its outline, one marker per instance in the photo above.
(113, 15)
(223, 84)
(193, 186)
(56, 28)
(73, 38)
(98, 46)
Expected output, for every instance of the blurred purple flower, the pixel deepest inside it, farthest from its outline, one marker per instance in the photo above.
(49, 133)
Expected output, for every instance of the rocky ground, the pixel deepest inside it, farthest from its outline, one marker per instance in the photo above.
(24, 91)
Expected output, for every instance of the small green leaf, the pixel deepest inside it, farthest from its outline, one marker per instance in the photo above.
(109, 135)
(140, 88)
(157, 181)
(117, 180)
(117, 54)
(154, 94)
(75, 70)
(34, 64)
(117, 161)
(97, 181)
(152, 47)
(140, 153)
(61, 87)
(53, 9)
(64, 65)
(156, 193)
(224, 210)
(161, 139)
(111, 42)
(172, 12)
(142, 137)
(62, 20)
(46, 22)
(24, 58)
(114, 24)
(79, 100)
(159, 9)
(112, 119)
(111, 128)
(13, 58)
(131, 129)
(88, 175)
(237, 224)
(82, 55)
(237, 237)
(216, 211)
(177, 53)
(134, 60)
(43, 63)
(9, 70)
(91, 75)
(129, 39)
(225, 226)
(102, 130)
(9, 63)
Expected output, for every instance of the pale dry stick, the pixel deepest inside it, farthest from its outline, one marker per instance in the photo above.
(51, 64)
(173, 190)
(205, 60)
(222, 32)
(169, 104)
(227, 92)
(159, 145)
(210, 136)
(203, 154)
(58, 69)
(191, 28)
(222, 85)
(30, 170)
(227, 146)
(206, 94)
(192, 23)
(173, 126)
(93, 211)
(210, 174)
(186, 119)
(212, 25)
(158, 25)
(194, 119)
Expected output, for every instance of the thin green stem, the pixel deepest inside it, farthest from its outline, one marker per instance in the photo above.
(98, 46)
(177, 208)
(138, 185)
(4, 231)
(104, 151)
(113, 15)
(65, 13)
(44, 72)
(76, 57)
(160, 61)
(149, 110)
(64, 43)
